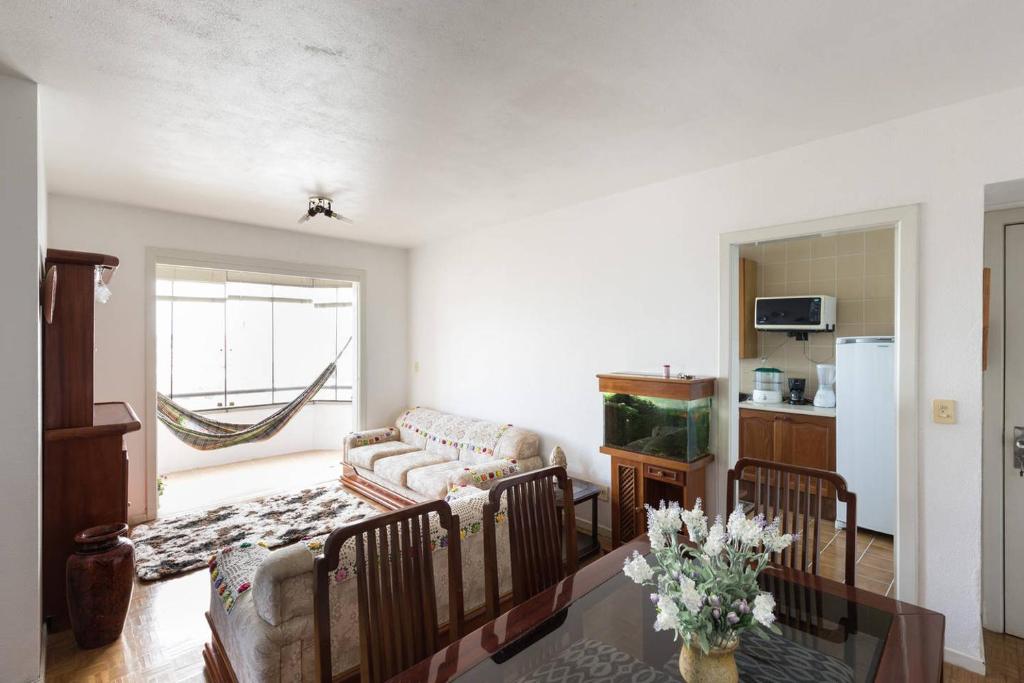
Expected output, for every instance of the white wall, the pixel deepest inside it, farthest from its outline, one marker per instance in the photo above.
(318, 426)
(512, 322)
(23, 221)
(126, 232)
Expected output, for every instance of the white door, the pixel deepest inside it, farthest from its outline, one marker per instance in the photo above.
(1013, 418)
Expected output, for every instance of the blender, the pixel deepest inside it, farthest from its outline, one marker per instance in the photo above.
(826, 395)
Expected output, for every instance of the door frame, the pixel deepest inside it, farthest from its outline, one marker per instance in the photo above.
(904, 220)
(178, 257)
(993, 557)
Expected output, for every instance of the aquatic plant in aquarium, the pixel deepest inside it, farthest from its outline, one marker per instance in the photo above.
(669, 427)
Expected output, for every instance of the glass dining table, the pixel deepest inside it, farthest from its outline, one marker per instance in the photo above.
(597, 625)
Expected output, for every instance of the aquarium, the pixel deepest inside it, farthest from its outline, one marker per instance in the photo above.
(668, 427)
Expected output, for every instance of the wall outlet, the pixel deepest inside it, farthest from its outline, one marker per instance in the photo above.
(944, 411)
(604, 495)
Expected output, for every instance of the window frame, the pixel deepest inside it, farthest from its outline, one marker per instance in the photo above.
(180, 257)
(225, 405)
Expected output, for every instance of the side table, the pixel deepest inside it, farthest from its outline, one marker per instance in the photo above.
(582, 491)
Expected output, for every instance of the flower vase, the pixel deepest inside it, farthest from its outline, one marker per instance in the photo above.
(100, 579)
(717, 666)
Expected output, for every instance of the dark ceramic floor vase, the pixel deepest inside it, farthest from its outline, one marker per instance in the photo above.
(100, 579)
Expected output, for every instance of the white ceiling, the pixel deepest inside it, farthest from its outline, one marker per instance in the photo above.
(423, 118)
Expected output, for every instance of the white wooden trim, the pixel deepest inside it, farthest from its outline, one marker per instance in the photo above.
(177, 257)
(904, 219)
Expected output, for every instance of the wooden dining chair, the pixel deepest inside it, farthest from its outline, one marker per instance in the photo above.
(537, 541)
(794, 495)
(395, 587)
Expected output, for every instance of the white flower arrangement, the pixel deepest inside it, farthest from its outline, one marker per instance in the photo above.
(706, 591)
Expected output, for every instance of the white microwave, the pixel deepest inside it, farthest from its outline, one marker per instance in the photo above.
(811, 313)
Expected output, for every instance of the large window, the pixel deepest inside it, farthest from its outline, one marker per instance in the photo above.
(233, 339)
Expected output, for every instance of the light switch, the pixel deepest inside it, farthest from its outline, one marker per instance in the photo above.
(944, 411)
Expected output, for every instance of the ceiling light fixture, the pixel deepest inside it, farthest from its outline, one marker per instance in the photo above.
(321, 205)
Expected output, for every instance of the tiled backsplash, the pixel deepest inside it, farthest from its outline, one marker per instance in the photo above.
(858, 268)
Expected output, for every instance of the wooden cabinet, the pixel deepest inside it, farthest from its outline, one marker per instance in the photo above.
(748, 294)
(793, 439)
(627, 500)
(85, 463)
(757, 431)
(639, 480)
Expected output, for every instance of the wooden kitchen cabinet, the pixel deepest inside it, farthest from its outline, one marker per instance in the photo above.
(757, 434)
(748, 295)
(792, 439)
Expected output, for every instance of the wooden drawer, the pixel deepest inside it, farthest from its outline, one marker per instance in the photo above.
(664, 474)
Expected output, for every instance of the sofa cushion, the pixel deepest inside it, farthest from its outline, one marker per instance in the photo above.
(445, 435)
(396, 467)
(366, 456)
(502, 442)
(469, 439)
(433, 480)
(415, 424)
(480, 438)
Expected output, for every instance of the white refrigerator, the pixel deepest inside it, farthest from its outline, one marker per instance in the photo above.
(866, 429)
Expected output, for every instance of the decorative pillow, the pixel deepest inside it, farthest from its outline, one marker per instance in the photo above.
(484, 475)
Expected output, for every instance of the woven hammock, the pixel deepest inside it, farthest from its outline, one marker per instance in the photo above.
(204, 434)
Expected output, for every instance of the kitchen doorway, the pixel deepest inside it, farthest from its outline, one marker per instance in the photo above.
(792, 258)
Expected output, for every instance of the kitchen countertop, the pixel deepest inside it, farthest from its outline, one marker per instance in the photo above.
(787, 408)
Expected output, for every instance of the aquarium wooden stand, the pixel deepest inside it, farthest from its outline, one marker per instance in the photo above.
(639, 479)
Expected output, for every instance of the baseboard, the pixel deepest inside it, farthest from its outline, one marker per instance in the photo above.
(972, 664)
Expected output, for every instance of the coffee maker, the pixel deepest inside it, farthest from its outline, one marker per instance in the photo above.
(797, 386)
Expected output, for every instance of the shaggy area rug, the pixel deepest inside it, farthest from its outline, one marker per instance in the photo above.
(182, 543)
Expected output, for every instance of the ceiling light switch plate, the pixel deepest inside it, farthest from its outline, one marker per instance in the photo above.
(944, 411)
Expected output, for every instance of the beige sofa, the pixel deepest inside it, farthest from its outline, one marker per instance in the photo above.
(261, 601)
(427, 452)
